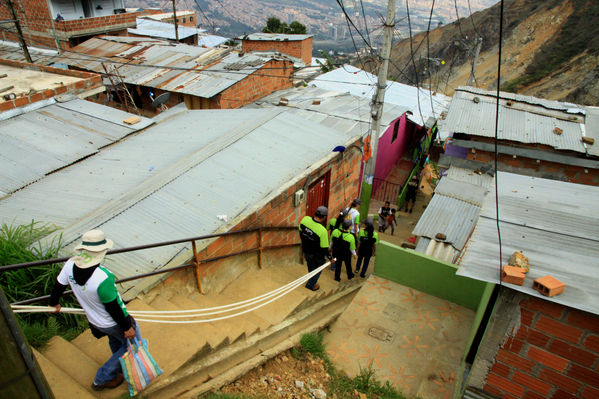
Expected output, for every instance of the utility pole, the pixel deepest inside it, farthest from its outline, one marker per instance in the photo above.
(377, 110)
(479, 43)
(19, 31)
(175, 20)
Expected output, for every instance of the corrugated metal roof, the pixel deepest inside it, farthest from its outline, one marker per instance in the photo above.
(454, 209)
(49, 138)
(349, 79)
(164, 30)
(448, 216)
(210, 40)
(468, 176)
(274, 37)
(592, 129)
(174, 179)
(12, 51)
(554, 224)
(189, 77)
(346, 111)
(526, 120)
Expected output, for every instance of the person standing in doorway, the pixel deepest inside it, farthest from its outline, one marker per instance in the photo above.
(411, 193)
(95, 288)
(383, 215)
(367, 241)
(315, 243)
(343, 244)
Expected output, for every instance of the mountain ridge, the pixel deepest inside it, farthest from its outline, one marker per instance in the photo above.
(550, 49)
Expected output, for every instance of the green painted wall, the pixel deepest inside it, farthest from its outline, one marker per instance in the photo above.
(429, 275)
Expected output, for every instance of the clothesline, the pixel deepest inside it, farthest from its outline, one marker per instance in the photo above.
(157, 316)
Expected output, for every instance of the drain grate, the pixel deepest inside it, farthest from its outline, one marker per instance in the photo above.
(382, 334)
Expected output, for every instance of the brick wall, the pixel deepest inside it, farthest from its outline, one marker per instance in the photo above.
(257, 85)
(553, 354)
(36, 23)
(280, 211)
(89, 81)
(544, 169)
(296, 48)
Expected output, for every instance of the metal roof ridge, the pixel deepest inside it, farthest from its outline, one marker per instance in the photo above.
(117, 205)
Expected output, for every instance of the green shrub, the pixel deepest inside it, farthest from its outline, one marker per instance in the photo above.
(24, 243)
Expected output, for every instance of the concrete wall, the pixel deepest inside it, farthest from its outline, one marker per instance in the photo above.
(389, 152)
(534, 348)
(40, 30)
(279, 211)
(427, 274)
(296, 48)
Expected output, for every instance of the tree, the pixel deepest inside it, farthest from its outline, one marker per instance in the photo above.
(274, 25)
(297, 28)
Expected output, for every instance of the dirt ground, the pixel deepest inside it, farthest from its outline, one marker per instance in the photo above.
(283, 377)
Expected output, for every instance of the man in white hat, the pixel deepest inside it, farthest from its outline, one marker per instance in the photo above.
(95, 289)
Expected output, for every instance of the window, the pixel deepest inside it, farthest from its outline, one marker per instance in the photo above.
(182, 20)
(395, 130)
(190, 19)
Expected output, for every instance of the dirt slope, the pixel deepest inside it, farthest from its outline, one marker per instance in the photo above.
(537, 56)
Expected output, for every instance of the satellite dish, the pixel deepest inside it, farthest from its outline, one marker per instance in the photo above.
(159, 101)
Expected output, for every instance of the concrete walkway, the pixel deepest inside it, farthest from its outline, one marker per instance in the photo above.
(413, 340)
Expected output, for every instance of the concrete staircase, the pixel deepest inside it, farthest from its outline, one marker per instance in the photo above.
(198, 357)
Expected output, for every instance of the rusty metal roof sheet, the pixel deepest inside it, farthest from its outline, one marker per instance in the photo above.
(173, 67)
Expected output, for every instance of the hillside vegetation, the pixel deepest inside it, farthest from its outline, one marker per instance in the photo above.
(550, 50)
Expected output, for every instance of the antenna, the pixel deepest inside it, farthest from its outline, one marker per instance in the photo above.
(159, 101)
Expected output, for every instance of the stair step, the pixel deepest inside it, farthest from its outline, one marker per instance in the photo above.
(94, 348)
(247, 324)
(205, 332)
(171, 347)
(71, 360)
(61, 384)
(247, 286)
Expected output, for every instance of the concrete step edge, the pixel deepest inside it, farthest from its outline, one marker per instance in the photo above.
(60, 383)
(251, 341)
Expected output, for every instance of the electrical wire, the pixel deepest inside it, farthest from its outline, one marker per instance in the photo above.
(365, 23)
(496, 134)
(413, 62)
(428, 58)
(205, 17)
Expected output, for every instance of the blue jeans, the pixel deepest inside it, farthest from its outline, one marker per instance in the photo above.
(118, 346)
(362, 268)
(314, 262)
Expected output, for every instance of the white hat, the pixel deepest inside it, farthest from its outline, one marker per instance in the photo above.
(92, 249)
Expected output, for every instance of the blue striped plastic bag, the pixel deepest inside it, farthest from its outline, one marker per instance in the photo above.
(139, 367)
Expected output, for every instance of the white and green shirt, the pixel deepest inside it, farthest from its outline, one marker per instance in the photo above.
(99, 289)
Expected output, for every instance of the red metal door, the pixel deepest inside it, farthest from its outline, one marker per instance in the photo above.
(318, 193)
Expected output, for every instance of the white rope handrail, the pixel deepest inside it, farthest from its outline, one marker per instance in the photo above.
(278, 293)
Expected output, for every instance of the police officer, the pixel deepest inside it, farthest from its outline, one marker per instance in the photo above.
(344, 246)
(315, 243)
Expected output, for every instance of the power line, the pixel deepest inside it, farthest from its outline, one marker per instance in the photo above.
(365, 23)
(205, 17)
(428, 56)
(413, 62)
(496, 133)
